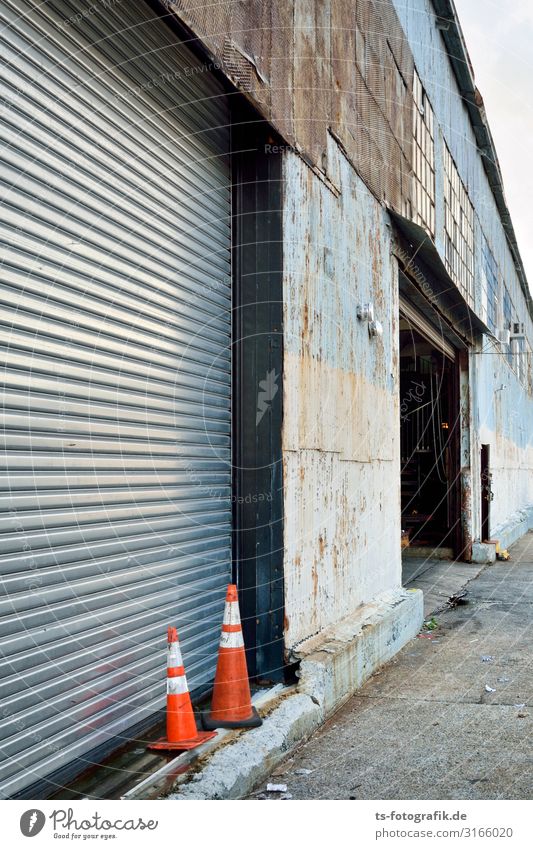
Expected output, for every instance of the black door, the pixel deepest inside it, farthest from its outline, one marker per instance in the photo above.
(486, 492)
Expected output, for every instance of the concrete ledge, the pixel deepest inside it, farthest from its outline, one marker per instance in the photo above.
(351, 651)
(235, 769)
(516, 526)
(483, 552)
(333, 665)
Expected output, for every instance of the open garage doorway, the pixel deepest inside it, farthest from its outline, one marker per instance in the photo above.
(429, 427)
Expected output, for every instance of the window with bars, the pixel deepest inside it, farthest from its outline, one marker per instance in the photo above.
(507, 319)
(522, 361)
(423, 180)
(489, 287)
(518, 352)
(458, 229)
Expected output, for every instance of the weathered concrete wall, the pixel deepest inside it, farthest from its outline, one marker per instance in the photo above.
(503, 420)
(341, 431)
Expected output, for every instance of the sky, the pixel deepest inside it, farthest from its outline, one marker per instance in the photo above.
(499, 37)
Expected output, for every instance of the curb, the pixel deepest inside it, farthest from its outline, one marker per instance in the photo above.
(333, 666)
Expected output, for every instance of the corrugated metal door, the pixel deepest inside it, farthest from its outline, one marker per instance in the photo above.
(115, 325)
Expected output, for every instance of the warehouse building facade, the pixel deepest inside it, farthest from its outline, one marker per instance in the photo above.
(263, 315)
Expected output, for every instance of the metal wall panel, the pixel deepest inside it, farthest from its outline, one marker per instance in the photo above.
(290, 59)
(115, 304)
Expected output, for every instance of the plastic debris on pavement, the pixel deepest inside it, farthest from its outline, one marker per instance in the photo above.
(487, 658)
(276, 788)
(458, 599)
(429, 626)
(489, 689)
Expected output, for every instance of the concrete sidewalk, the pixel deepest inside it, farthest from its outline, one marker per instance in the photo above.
(439, 580)
(449, 718)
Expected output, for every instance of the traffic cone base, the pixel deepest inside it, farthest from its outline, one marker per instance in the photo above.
(165, 746)
(254, 721)
(181, 725)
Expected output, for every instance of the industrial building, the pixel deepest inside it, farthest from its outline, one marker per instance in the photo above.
(264, 316)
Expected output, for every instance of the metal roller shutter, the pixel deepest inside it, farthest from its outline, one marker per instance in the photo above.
(432, 333)
(115, 304)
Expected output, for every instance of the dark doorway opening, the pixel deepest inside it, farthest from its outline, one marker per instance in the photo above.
(429, 427)
(486, 492)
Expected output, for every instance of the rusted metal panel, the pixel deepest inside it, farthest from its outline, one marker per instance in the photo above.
(236, 35)
(281, 68)
(343, 53)
(394, 34)
(372, 105)
(295, 61)
(312, 76)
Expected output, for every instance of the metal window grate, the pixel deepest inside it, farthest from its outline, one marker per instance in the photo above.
(518, 355)
(423, 179)
(490, 286)
(458, 229)
(507, 319)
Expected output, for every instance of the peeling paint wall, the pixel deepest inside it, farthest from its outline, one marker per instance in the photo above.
(341, 431)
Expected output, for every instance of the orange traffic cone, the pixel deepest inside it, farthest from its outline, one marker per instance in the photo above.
(231, 706)
(181, 726)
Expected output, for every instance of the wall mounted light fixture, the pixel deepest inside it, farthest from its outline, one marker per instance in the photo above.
(375, 328)
(365, 312)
